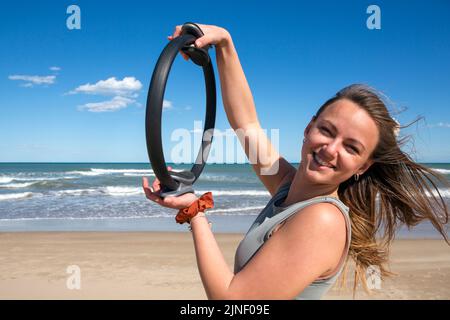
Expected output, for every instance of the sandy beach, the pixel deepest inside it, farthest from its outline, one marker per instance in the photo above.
(160, 265)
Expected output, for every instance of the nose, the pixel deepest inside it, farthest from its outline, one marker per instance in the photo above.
(329, 151)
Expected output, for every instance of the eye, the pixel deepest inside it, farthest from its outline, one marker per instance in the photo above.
(325, 130)
(354, 149)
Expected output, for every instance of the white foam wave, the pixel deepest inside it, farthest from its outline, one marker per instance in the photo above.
(15, 196)
(442, 171)
(22, 178)
(5, 179)
(43, 178)
(109, 191)
(108, 171)
(131, 190)
(77, 192)
(123, 191)
(86, 173)
(25, 178)
(237, 210)
(98, 171)
(257, 193)
(139, 174)
(16, 185)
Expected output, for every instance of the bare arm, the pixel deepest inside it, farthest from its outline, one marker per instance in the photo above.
(236, 94)
(307, 246)
(239, 106)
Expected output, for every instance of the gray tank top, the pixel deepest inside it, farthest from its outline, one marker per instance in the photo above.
(270, 217)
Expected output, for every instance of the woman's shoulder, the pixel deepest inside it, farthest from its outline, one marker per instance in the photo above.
(319, 227)
(323, 213)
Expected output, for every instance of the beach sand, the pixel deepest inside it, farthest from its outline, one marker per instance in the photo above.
(157, 265)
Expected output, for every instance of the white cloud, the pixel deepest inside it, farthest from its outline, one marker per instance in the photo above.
(440, 125)
(33, 80)
(125, 87)
(187, 108)
(167, 105)
(55, 68)
(114, 104)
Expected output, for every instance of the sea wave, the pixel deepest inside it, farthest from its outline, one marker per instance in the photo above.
(122, 191)
(442, 171)
(85, 173)
(138, 174)
(89, 218)
(98, 172)
(77, 192)
(6, 179)
(22, 178)
(235, 210)
(108, 171)
(16, 196)
(116, 191)
(236, 192)
(108, 191)
(16, 185)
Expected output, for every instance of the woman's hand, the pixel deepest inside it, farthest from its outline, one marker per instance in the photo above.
(213, 35)
(153, 194)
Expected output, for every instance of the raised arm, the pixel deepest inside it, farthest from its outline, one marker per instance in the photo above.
(239, 106)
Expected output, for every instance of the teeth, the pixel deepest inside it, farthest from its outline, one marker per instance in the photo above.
(321, 162)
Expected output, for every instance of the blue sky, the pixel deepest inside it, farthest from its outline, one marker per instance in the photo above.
(295, 55)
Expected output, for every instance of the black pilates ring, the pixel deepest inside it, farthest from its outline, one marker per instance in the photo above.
(177, 183)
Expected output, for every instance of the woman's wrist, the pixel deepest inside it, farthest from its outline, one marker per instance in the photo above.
(199, 219)
(197, 207)
(200, 214)
(226, 40)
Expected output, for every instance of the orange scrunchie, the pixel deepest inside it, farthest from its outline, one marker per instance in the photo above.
(186, 214)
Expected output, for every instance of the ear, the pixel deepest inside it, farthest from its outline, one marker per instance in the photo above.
(309, 126)
(366, 166)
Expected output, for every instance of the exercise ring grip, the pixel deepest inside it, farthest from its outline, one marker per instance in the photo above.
(177, 183)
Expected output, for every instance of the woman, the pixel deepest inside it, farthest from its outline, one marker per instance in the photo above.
(353, 180)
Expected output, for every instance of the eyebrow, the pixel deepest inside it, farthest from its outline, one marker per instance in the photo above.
(351, 139)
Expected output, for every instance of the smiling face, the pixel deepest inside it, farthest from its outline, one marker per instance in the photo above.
(339, 143)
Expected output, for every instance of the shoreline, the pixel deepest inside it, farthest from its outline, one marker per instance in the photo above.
(162, 265)
(220, 224)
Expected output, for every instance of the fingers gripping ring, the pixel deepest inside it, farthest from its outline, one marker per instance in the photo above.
(177, 183)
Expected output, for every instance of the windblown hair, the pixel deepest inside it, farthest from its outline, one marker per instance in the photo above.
(394, 191)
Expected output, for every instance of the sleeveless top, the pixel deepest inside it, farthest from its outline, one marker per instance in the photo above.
(270, 217)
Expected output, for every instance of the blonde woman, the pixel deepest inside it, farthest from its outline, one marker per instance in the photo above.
(352, 182)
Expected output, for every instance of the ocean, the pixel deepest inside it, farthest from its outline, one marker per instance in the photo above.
(109, 197)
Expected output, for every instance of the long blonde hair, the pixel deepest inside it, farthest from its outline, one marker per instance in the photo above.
(394, 191)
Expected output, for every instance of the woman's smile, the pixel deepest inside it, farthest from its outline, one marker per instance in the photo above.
(320, 163)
